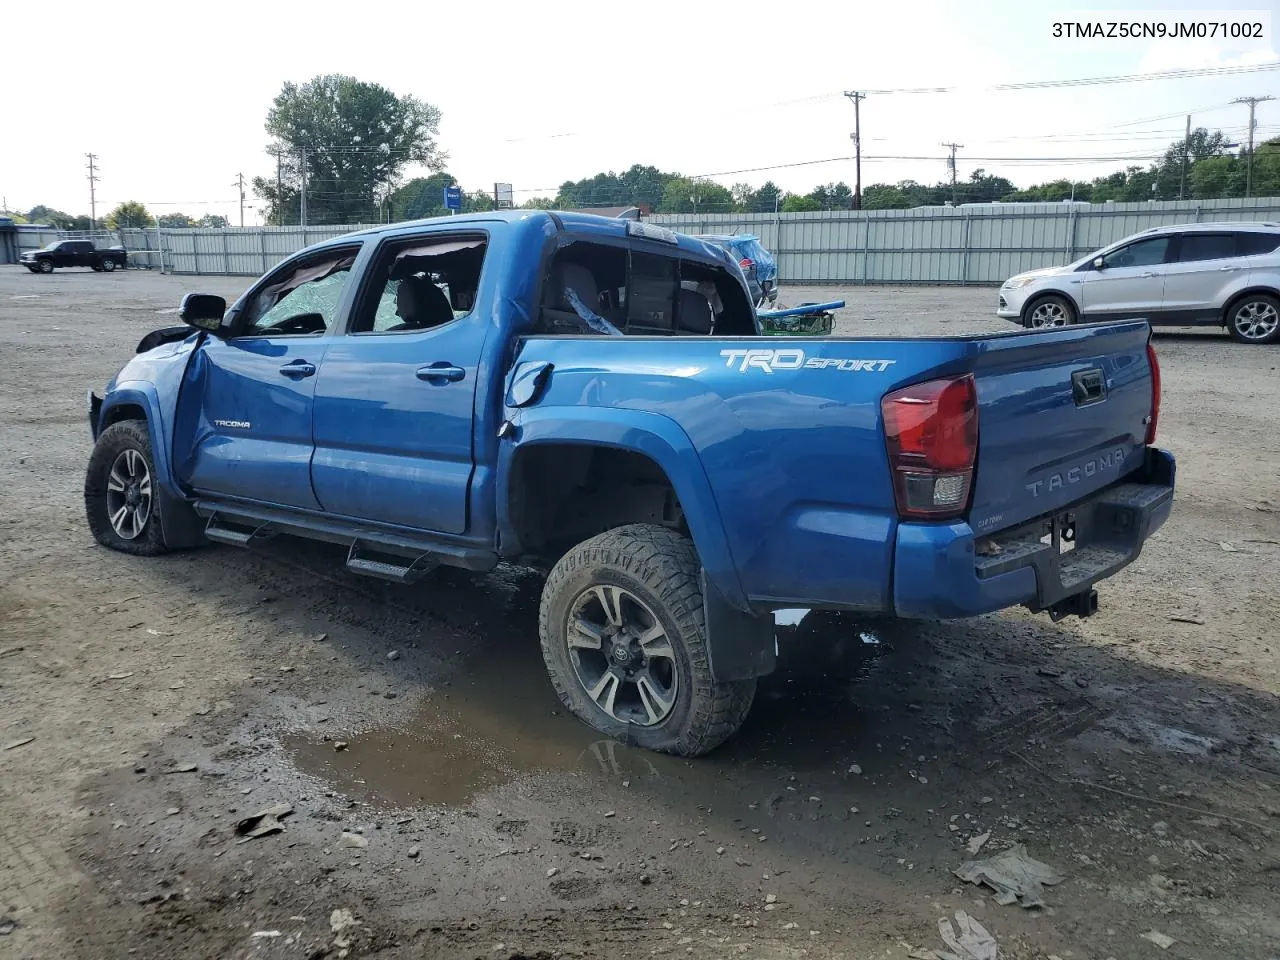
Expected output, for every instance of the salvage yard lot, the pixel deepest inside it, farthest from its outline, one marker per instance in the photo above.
(1137, 752)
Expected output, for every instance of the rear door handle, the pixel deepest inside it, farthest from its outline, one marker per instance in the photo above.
(297, 369)
(1228, 269)
(1147, 275)
(441, 373)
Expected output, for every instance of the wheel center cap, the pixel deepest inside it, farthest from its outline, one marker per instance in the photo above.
(621, 654)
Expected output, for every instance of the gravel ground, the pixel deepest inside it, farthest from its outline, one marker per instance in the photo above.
(151, 705)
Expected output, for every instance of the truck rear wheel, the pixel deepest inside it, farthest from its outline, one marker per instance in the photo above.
(624, 640)
(121, 499)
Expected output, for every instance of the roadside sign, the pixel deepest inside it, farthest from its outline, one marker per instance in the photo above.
(453, 197)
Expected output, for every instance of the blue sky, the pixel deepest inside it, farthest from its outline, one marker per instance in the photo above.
(534, 94)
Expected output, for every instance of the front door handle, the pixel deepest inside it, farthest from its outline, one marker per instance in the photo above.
(1227, 269)
(440, 373)
(1148, 275)
(297, 369)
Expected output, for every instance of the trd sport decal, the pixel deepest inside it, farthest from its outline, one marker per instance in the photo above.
(771, 360)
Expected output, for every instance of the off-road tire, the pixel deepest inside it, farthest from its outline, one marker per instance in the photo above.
(1060, 305)
(661, 568)
(112, 442)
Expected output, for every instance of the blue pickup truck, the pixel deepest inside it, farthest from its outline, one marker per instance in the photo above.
(593, 397)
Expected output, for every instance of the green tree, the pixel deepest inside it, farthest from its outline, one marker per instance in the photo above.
(172, 220)
(685, 195)
(213, 220)
(538, 203)
(478, 202)
(832, 196)
(765, 200)
(1266, 169)
(42, 214)
(794, 203)
(129, 214)
(421, 197)
(882, 196)
(351, 139)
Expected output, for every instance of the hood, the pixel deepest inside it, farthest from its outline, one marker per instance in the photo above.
(1041, 272)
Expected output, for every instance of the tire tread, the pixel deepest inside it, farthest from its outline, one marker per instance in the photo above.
(668, 564)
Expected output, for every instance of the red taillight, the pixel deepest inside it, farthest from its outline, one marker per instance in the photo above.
(931, 431)
(1155, 393)
(746, 263)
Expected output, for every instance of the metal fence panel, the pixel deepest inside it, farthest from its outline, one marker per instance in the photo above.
(979, 244)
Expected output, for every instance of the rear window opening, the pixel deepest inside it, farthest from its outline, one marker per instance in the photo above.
(599, 289)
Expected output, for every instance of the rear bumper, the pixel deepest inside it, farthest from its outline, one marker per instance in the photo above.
(946, 571)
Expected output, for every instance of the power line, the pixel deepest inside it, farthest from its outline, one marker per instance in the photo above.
(1098, 81)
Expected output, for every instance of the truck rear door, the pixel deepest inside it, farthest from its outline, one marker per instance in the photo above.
(1061, 415)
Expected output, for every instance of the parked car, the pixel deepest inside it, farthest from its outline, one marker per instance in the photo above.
(1223, 274)
(757, 264)
(573, 406)
(74, 253)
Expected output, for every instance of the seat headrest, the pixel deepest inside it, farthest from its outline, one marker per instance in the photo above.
(422, 302)
(576, 277)
(693, 312)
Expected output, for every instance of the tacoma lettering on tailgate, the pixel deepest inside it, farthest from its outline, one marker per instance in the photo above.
(1112, 460)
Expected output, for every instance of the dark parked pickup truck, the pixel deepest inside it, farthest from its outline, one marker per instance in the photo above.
(595, 398)
(74, 253)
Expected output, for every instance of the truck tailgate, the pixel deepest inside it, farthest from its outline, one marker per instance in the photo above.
(1061, 414)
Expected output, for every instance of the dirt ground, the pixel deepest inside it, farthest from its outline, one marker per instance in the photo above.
(147, 706)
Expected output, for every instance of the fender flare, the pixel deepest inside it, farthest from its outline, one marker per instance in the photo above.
(182, 527)
(140, 393)
(741, 643)
(651, 435)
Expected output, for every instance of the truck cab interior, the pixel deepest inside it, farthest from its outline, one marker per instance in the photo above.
(603, 289)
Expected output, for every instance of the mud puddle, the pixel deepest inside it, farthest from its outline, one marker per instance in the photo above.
(501, 723)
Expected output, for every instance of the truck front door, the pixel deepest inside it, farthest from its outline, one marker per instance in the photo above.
(395, 398)
(246, 405)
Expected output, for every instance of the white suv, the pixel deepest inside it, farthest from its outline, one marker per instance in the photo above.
(1225, 274)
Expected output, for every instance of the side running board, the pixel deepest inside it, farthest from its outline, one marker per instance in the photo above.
(387, 568)
(220, 530)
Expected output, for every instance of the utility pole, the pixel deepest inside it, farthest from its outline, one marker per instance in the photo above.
(240, 183)
(856, 137)
(93, 200)
(279, 185)
(1186, 153)
(1253, 104)
(302, 201)
(953, 147)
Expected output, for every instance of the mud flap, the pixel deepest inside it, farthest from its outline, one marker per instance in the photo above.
(740, 645)
(181, 526)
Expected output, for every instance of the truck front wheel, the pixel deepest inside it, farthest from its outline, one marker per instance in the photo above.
(120, 493)
(624, 639)
(46, 266)
(108, 264)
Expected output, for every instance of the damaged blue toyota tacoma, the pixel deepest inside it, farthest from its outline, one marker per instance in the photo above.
(593, 398)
